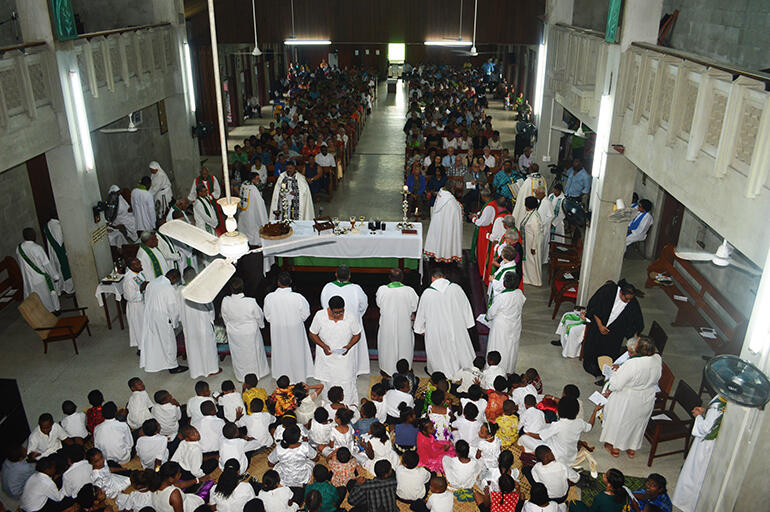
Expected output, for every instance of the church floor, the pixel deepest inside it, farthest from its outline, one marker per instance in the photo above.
(370, 188)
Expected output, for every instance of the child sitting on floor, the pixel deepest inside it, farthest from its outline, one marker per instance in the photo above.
(73, 422)
(202, 394)
(439, 414)
(281, 400)
(139, 404)
(395, 397)
(411, 479)
(496, 398)
(406, 431)
(257, 424)
(342, 434)
(94, 413)
(343, 466)
(368, 412)
(440, 500)
(488, 446)
(151, 446)
(140, 497)
(467, 426)
(103, 477)
(430, 450)
(403, 370)
(336, 397)
(532, 377)
(231, 402)
(467, 377)
(508, 425)
(250, 391)
(308, 398)
(320, 429)
(167, 413)
(190, 456)
(477, 397)
(492, 371)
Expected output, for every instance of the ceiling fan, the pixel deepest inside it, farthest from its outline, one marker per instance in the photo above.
(721, 258)
(256, 52)
(577, 133)
(131, 128)
(231, 245)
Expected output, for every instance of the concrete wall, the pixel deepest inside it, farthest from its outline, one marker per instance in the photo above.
(122, 158)
(738, 287)
(17, 208)
(590, 14)
(10, 33)
(98, 15)
(734, 32)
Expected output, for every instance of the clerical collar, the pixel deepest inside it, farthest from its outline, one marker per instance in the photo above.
(395, 284)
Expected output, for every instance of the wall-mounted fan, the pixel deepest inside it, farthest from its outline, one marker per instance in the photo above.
(738, 381)
(577, 133)
(133, 126)
(232, 244)
(721, 258)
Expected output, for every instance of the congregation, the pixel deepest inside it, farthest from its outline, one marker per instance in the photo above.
(478, 431)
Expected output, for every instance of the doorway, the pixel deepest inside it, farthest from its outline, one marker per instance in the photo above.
(42, 191)
(671, 214)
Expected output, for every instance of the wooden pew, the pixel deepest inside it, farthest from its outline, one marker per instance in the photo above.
(705, 305)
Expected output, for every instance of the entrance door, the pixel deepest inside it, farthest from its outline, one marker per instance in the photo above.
(42, 192)
(670, 223)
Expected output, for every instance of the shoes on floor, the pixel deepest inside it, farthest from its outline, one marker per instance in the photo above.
(599, 382)
(178, 369)
(556, 343)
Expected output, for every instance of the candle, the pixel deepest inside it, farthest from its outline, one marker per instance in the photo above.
(406, 189)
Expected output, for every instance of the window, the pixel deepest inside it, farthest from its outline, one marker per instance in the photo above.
(396, 52)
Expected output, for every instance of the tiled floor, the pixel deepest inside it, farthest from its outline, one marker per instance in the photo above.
(371, 188)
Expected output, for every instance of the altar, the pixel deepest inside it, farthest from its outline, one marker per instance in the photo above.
(363, 252)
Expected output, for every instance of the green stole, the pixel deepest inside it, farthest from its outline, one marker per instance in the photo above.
(395, 284)
(48, 280)
(523, 235)
(173, 249)
(720, 403)
(204, 201)
(496, 277)
(474, 242)
(153, 259)
(61, 255)
(573, 320)
(340, 283)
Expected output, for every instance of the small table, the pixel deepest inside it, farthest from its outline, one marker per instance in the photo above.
(114, 288)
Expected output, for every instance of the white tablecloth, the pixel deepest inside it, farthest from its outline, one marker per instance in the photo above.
(390, 243)
(115, 289)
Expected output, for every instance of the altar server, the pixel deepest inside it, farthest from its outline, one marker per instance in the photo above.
(134, 284)
(356, 303)
(143, 206)
(161, 316)
(243, 319)
(505, 315)
(531, 230)
(395, 337)
(286, 311)
(444, 316)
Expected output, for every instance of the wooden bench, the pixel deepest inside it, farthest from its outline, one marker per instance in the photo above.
(699, 303)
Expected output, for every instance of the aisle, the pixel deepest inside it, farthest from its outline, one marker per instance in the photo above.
(372, 184)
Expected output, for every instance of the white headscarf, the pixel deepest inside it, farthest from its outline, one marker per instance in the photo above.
(155, 165)
(113, 188)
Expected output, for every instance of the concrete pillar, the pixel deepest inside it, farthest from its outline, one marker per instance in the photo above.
(736, 478)
(35, 21)
(185, 157)
(605, 240)
(613, 175)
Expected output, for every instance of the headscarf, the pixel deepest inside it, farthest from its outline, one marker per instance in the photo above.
(155, 165)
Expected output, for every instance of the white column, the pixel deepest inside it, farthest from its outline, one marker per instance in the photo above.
(34, 20)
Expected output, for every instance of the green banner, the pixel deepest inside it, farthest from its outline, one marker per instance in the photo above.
(613, 20)
(64, 20)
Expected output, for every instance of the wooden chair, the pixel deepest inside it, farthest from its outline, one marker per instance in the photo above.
(51, 328)
(674, 427)
(665, 383)
(11, 288)
(563, 288)
(658, 335)
(563, 252)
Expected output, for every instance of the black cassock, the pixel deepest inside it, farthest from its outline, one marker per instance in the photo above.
(626, 325)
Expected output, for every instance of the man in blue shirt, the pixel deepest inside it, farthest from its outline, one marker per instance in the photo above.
(504, 177)
(578, 181)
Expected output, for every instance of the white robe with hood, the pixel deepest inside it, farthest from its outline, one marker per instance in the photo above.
(161, 316)
(306, 211)
(286, 311)
(445, 232)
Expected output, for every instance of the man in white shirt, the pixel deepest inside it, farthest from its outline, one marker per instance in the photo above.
(324, 158)
(489, 158)
(113, 437)
(40, 490)
(79, 472)
(209, 427)
(525, 160)
(495, 142)
(37, 272)
(202, 394)
(449, 159)
(46, 438)
(637, 230)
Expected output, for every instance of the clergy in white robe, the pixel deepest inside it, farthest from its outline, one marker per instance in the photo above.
(199, 339)
(445, 231)
(154, 264)
(640, 225)
(300, 200)
(160, 188)
(571, 329)
(556, 198)
(161, 316)
(704, 431)
(134, 284)
(143, 206)
(170, 252)
(545, 210)
(252, 214)
(336, 332)
(209, 181)
(395, 337)
(189, 257)
(123, 218)
(243, 320)
(205, 212)
(286, 311)
(356, 303)
(181, 206)
(528, 187)
(632, 397)
(505, 317)
(37, 272)
(531, 230)
(444, 316)
(57, 255)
